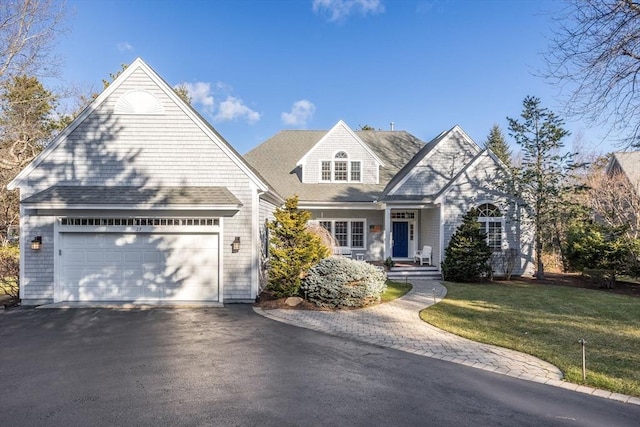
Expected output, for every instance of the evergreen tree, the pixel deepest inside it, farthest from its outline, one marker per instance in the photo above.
(541, 177)
(497, 143)
(466, 257)
(27, 122)
(294, 249)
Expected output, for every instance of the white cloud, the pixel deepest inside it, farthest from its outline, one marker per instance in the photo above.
(233, 108)
(124, 47)
(200, 93)
(301, 113)
(339, 10)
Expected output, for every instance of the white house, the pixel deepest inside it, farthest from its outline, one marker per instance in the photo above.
(140, 199)
(387, 194)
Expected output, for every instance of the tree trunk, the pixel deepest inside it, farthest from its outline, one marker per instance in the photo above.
(540, 264)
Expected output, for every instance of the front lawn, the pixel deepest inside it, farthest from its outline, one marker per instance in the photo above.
(547, 322)
(395, 290)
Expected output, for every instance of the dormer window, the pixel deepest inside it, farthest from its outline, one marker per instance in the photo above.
(340, 169)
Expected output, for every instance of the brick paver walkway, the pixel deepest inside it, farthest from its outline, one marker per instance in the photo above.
(397, 325)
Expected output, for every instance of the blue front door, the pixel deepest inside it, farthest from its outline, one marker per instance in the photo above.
(400, 239)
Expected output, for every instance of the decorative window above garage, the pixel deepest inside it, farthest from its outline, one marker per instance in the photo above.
(138, 102)
(141, 221)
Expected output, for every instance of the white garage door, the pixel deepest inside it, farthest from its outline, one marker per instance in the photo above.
(138, 267)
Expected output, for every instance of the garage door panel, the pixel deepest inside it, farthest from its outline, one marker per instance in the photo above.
(129, 267)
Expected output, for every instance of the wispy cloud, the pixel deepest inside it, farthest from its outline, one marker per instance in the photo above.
(340, 10)
(204, 97)
(200, 94)
(125, 47)
(233, 108)
(301, 112)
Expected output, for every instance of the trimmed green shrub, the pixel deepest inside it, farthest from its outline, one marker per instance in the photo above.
(293, 249)
(342, 282)
(467, 256)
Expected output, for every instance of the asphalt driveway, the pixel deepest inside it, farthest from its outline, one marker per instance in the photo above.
(229, 366)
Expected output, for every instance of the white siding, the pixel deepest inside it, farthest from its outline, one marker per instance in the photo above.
(36, 276)
(374, 250)
(142, 150)
(475, 187)
(438, 167)
(430, 232)
(339, 139)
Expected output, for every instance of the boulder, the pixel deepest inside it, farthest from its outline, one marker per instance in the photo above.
(293, 301)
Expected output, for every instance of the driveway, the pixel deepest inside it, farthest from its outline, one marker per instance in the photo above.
(397, 325)
(229, 366)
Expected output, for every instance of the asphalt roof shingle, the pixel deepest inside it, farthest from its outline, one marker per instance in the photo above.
(276, 160)
(134, 196)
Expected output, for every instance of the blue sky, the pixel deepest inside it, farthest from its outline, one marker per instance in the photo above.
(257, 67)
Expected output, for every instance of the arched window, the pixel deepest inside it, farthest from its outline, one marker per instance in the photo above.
(340, 169)
(492, 223)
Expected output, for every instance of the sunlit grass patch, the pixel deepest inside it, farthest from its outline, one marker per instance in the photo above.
(547, 322)
(395, 290)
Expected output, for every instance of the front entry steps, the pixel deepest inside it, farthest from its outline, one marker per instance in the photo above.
(408, 271)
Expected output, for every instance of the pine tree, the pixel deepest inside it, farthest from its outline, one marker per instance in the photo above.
(466, 257)
(27, 123)
(293, 249)
(541, 177)
(497, 143)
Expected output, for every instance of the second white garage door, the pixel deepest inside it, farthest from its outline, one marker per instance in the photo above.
(138, 267)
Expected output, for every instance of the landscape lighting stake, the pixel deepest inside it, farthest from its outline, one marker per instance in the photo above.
(582, 342)
(434, 295)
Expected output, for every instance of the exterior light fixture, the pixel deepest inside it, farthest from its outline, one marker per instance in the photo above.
(235, 246)
(36, 243)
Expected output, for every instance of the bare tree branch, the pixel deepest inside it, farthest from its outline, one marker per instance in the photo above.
(28, 30)
(595, 56)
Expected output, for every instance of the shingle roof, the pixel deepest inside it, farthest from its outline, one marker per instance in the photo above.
(276, 160)
(130, 197)
(629, 162)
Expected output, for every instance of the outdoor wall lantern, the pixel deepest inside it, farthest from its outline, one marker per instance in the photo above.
(235, 246)
(36, 243)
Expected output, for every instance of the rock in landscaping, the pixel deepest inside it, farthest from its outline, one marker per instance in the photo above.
(293, 301)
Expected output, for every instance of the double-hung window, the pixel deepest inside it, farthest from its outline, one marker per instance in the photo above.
(341, 169)
(349, 233)
(491, 222)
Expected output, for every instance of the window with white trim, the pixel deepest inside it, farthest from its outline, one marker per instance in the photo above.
(492, 223)
(356, 171)
(348, 233)
(340, 169)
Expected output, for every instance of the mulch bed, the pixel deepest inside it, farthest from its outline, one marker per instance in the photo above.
(576, 280)
(268, 302)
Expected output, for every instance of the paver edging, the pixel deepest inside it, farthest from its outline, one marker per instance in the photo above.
(429, 301)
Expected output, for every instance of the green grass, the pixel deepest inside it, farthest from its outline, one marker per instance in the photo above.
(547, 322)
(394, 290)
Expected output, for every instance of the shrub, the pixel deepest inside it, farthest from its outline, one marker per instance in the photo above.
(293, 249)
(466, 257)
(10, 271)
(342, 282)
(601, 277)
(592, 246)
